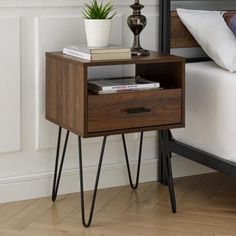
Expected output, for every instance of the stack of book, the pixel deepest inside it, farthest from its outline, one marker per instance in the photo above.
(112, 52)
(115, 85)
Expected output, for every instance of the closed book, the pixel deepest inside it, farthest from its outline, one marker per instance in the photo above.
(74, 53)
(83, 48)
(123, 91)
(98, 56)
(121, 84)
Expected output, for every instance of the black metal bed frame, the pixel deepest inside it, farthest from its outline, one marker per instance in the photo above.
(194, 154)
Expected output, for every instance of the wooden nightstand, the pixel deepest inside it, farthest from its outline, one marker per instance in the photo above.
(71, 106)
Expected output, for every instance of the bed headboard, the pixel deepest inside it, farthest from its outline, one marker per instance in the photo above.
(173, 34)
(180, 37)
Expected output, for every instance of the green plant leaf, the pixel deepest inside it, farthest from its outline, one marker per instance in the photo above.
(94, 10)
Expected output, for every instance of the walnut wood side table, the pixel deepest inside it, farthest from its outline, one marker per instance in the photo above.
(71, 106)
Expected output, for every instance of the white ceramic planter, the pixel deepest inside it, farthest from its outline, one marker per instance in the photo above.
(98, 32)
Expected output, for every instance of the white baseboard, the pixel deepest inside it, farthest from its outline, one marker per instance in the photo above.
(40, 185)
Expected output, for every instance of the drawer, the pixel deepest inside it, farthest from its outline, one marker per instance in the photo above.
(133, 110)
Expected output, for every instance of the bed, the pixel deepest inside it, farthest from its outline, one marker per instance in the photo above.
(209, 136)
(210, 110)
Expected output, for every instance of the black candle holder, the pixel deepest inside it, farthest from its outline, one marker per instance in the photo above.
(137, 23)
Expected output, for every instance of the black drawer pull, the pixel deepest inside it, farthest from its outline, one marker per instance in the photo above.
(137, 110)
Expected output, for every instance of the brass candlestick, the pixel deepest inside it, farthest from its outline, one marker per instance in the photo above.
(137, 23)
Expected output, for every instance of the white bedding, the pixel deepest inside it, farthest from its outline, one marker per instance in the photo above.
(210, 110)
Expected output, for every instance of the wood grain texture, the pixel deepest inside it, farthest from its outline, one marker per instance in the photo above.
(180, 36)
(65, 94)
(68, 103)
(110, 112)
(155, 57)
(170, 75)
(206, 207)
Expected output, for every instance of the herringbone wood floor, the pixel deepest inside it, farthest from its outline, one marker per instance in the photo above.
(206, 206)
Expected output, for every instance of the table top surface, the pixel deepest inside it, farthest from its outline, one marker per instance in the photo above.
(155, 57)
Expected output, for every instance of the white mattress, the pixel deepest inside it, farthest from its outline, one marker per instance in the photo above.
(210, 110)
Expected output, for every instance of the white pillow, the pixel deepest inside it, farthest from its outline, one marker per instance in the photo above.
(213, 35)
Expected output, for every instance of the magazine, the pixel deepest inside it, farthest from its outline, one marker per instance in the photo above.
(112, 85)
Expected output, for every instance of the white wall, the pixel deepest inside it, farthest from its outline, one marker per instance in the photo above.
(27, 141)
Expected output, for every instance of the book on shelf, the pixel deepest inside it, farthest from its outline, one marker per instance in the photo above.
(115, 85)
(106, 53)
(123, 91)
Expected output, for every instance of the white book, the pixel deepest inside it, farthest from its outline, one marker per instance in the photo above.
(75, 53)
(97, 56)
(126, 90)
(83, 48)
(119, 84)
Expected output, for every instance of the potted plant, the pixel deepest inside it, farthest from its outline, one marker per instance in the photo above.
(97, 19)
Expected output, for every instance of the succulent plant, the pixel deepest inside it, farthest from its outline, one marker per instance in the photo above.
(94, 10)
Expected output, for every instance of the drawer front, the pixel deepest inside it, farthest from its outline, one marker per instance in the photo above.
(133, 110)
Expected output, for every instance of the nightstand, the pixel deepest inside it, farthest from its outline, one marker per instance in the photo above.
(71, 106)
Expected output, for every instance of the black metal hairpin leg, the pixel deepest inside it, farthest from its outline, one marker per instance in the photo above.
(133, 185)
(88, 223)
(57, 177)
(168, 168)
(161, 168)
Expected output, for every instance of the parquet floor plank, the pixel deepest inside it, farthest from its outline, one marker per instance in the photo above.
(104, 196)
(206, 206)
(8, 210)
(27, 215)
(124, 199)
